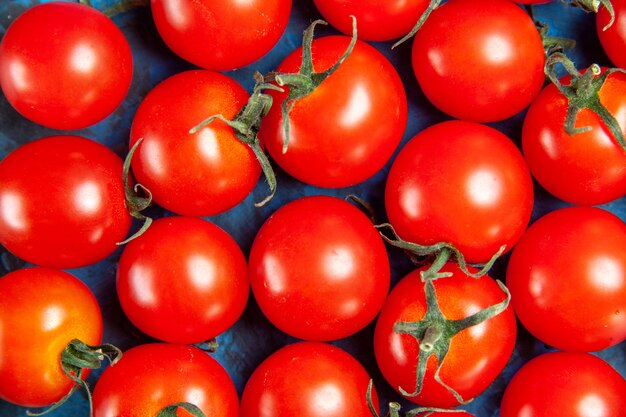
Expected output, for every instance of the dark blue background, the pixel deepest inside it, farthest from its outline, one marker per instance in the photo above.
(252, 338)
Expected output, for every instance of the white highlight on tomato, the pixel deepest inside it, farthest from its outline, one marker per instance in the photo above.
(483, 188)
(12, 209)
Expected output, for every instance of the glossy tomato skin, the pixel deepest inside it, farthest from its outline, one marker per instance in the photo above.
(62, 202)
(462, 183)
(376, 21)
(185, 280)
(318, 269)
(152, 376)
(41, 311)
(565, 383)
(567, 277)
(73, 82)
(234, 33)
(476, 356)
(347, 129)
(308, 379)
(613, 39)
(480, 62)
(587, 168)
(198, 174)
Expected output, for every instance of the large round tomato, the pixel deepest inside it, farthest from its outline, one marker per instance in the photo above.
(585, 168)
(319, 269)
(184, 280)
(349, 126)
(613, 38)
(480, 61)
(565, 384)
(64, 65)
(567, 276)
(153, 376)
(474, 356)
(308, 379)
(62, 202)
(221, 34)
(198, 174)
(376, 20)
(461, 183)
(41, 311)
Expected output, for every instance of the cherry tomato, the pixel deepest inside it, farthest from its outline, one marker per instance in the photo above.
(461, 183)
(41, 311)
(479, 61)
(152, 376)
(567, 276)
(476, 355)
(64, 65)
(221, 34)
(198, 174)
(613, 38)
(308, 379)
(565, 384)
(62, 202)
(184, 280)
(348, 127)
(586, 168)
(376, 20)
(319, 269)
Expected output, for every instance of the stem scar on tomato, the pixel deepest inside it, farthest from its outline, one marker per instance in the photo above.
(75, 358)
(246, 124)
(583, 92)
(434, 334)
(441, 251)
(135, 201)
(305, 81)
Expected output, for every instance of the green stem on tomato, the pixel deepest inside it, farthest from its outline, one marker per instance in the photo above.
(172, 410)
(583, 92)
(592, 6)
(432, 5)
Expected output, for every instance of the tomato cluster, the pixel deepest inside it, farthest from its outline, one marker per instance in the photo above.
(444, 225)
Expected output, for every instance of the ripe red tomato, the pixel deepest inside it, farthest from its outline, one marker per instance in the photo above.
(586, 168)
(376, 20)
(198, 174)
(64, 65)
(41, 311)
(308, 379)
(565, 384)
(613, 38)
(152, 376)
(319, 269)
(567, 276)
(476, 355)
(184, 280)
(479, 61)
(221, 34)
(62, 202)
(348, 127)
(461, 183)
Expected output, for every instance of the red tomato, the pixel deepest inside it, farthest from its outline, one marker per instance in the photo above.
(567, 276)
(184, 280)
(319, 269)
(461, 183)
(41, 311)
(348, 127)
(221, 34)
(376, 20)
(308, 379)
(64, 65)
(198, 174)
(479, 61)
(613, 38)
(475, 356)
(565, 384)
(62, 202)
(150, 377)
(585, 168)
